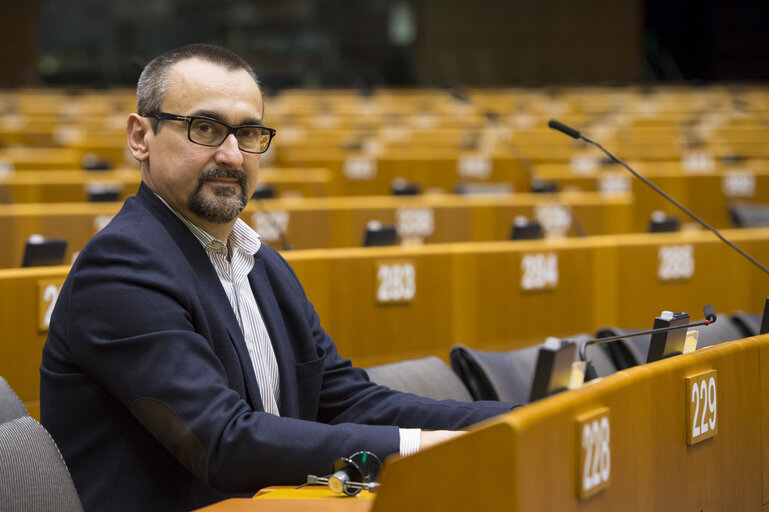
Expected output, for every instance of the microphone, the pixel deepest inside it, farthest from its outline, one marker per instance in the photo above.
(710, 318)
(557, 125)
(575, 134)
(710, 313)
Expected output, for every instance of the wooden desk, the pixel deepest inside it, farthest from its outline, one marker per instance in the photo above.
(529, 459)
(708, 194)
(26, 300)
(69, 186)
(388, 304)
(310, 499)
(499, 295)
(311, 223)
(41, 158)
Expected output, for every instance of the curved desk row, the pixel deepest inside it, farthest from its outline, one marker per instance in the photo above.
(388, 304)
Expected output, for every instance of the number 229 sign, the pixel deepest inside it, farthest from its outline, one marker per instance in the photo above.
(702, 407)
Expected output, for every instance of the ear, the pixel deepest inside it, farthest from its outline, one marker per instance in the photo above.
(138, 130)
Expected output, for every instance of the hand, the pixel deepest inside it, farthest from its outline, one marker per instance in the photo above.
(431, 437)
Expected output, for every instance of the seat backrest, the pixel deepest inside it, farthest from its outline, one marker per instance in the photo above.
(749, 215)
(749, 323)
(601, 360)
(724, 329)
(429, 377)
(505, 376)
(625, 353)
(10, 405)
(33, 475)
(508, 375)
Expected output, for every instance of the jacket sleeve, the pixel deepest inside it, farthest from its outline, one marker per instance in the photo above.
(347, 395)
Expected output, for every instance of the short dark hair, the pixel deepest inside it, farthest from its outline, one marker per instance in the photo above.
(153, 82)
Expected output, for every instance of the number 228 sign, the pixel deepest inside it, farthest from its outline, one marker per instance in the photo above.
(593, 452)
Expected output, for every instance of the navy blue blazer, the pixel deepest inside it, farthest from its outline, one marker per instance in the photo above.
(147, 387)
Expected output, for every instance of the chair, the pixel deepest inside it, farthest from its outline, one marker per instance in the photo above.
(505, 376)
(749, 215)
(508, 375)
(429, 377)
(749, 323)
(33, 475)
(725, 329)
(10, 405)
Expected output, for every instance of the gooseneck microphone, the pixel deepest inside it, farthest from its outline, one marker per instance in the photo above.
(710, 318)
(575, 134)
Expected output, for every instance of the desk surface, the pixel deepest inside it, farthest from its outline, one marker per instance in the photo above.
(313, 498)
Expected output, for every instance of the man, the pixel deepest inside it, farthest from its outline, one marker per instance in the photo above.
(184, 364)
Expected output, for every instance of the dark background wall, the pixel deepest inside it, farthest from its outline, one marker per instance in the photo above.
(393, 42)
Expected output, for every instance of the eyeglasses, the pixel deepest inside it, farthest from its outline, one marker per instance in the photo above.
(252, 138)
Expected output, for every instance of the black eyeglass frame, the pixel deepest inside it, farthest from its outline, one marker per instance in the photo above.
(165, 116)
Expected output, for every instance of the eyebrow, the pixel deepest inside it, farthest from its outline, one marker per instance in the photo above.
(249, 121)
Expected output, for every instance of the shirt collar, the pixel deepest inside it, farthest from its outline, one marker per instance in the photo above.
(242, 236)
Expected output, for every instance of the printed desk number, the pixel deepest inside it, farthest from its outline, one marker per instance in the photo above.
(593, 442)
(396, 282)
(47, 293)
(701, 408)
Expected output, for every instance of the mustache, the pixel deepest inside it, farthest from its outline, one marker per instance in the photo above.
(237, 174)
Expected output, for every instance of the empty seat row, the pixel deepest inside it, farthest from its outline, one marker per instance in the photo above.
(508, 375)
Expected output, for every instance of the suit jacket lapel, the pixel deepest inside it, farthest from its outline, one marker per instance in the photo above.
(268, 306)
(196, 255)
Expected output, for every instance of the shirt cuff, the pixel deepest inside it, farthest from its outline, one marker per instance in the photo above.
(409, 442)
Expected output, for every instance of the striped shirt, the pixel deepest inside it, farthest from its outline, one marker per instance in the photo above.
(242, 245)
(232, 263)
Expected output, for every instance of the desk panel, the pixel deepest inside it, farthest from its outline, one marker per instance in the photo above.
(526, 460)
(66, 186)
(480, 294)
(337, 222)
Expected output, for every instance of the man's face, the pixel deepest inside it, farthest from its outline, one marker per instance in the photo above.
(212, 184)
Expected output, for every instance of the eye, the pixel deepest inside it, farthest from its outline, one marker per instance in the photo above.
(248, 133)
(206, 128)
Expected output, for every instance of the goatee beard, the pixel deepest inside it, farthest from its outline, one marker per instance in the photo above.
(227, 204)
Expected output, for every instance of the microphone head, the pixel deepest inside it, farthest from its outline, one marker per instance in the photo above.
(557, 125)
(710, 313)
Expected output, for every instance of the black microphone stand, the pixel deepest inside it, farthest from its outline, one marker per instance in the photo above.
(590, 374)
(575, 134)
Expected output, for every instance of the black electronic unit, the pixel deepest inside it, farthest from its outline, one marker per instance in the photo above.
(41, 252)
(670, 343)
(378, 234)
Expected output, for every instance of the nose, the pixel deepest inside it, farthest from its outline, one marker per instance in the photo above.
(228, 153)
